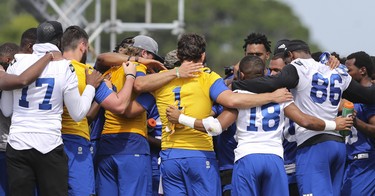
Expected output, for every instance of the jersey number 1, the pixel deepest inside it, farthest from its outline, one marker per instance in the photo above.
(45, 105)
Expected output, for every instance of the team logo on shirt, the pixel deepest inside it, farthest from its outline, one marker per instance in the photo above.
(71, 67)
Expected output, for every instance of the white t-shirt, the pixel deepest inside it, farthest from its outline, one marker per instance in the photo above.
(259, 129)
(37, 108)
(318, 93)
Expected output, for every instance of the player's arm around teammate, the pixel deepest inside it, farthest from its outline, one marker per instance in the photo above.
(10, 81)
(215, 126)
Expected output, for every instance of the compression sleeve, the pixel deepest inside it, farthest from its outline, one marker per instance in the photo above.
(288, 77)
(357, 93)
(7, 103)
(77, 105)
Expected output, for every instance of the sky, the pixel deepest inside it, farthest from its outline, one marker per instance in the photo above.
(343, 26)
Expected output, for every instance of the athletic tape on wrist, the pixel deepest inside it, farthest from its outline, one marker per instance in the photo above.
(186, 120)
(330, 125)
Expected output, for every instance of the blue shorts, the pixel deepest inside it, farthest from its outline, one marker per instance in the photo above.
(81, 166)
(260, 174)
(190, 175)
(359, 177)
(3, 175)
(320, 168)
(123, 174)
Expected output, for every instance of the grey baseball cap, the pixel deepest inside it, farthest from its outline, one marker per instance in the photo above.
(147, 43)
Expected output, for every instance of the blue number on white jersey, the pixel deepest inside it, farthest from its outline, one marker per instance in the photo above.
(270, 113)
(45, 105)
(319, 89)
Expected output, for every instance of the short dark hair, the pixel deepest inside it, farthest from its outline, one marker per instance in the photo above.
(257, 38)
(127, 45)
(8, 50)
(190, 47)
(362, 59)
(252, 66)
(72, 36)
(298, 45)
(28, 37)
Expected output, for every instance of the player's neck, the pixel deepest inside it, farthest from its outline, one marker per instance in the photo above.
(71, 55)
(366, 81)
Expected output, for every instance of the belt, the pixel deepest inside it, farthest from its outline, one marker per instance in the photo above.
(316, 139)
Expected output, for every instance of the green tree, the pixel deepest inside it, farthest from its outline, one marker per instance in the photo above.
(225, 24)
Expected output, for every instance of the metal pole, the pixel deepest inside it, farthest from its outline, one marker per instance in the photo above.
(113, 24)
(97, 23)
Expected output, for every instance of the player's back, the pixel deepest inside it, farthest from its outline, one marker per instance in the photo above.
(259, 129)
(38, 107)
(193, 97)
(318, 92)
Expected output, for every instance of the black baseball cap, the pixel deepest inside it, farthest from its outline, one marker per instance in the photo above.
(49, 32)
(280, 47)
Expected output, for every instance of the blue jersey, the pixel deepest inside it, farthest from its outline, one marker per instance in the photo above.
(289, 142)
(357, 142)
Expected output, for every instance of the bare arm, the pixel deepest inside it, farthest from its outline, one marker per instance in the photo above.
(313, 123)
(133, 110)
(106, 60)
(94, 109)
(10, 81)
(152, 82)
(366, 128)
(118, 102)
(154, 142)
(241, 100)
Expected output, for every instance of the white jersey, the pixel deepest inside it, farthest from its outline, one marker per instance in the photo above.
(41, 101)
(318, 93)
(259, 129)
(37, 108)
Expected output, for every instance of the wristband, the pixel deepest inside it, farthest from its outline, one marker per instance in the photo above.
(132, 75)
(330, 125)
(177, 73)
(186, 120)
